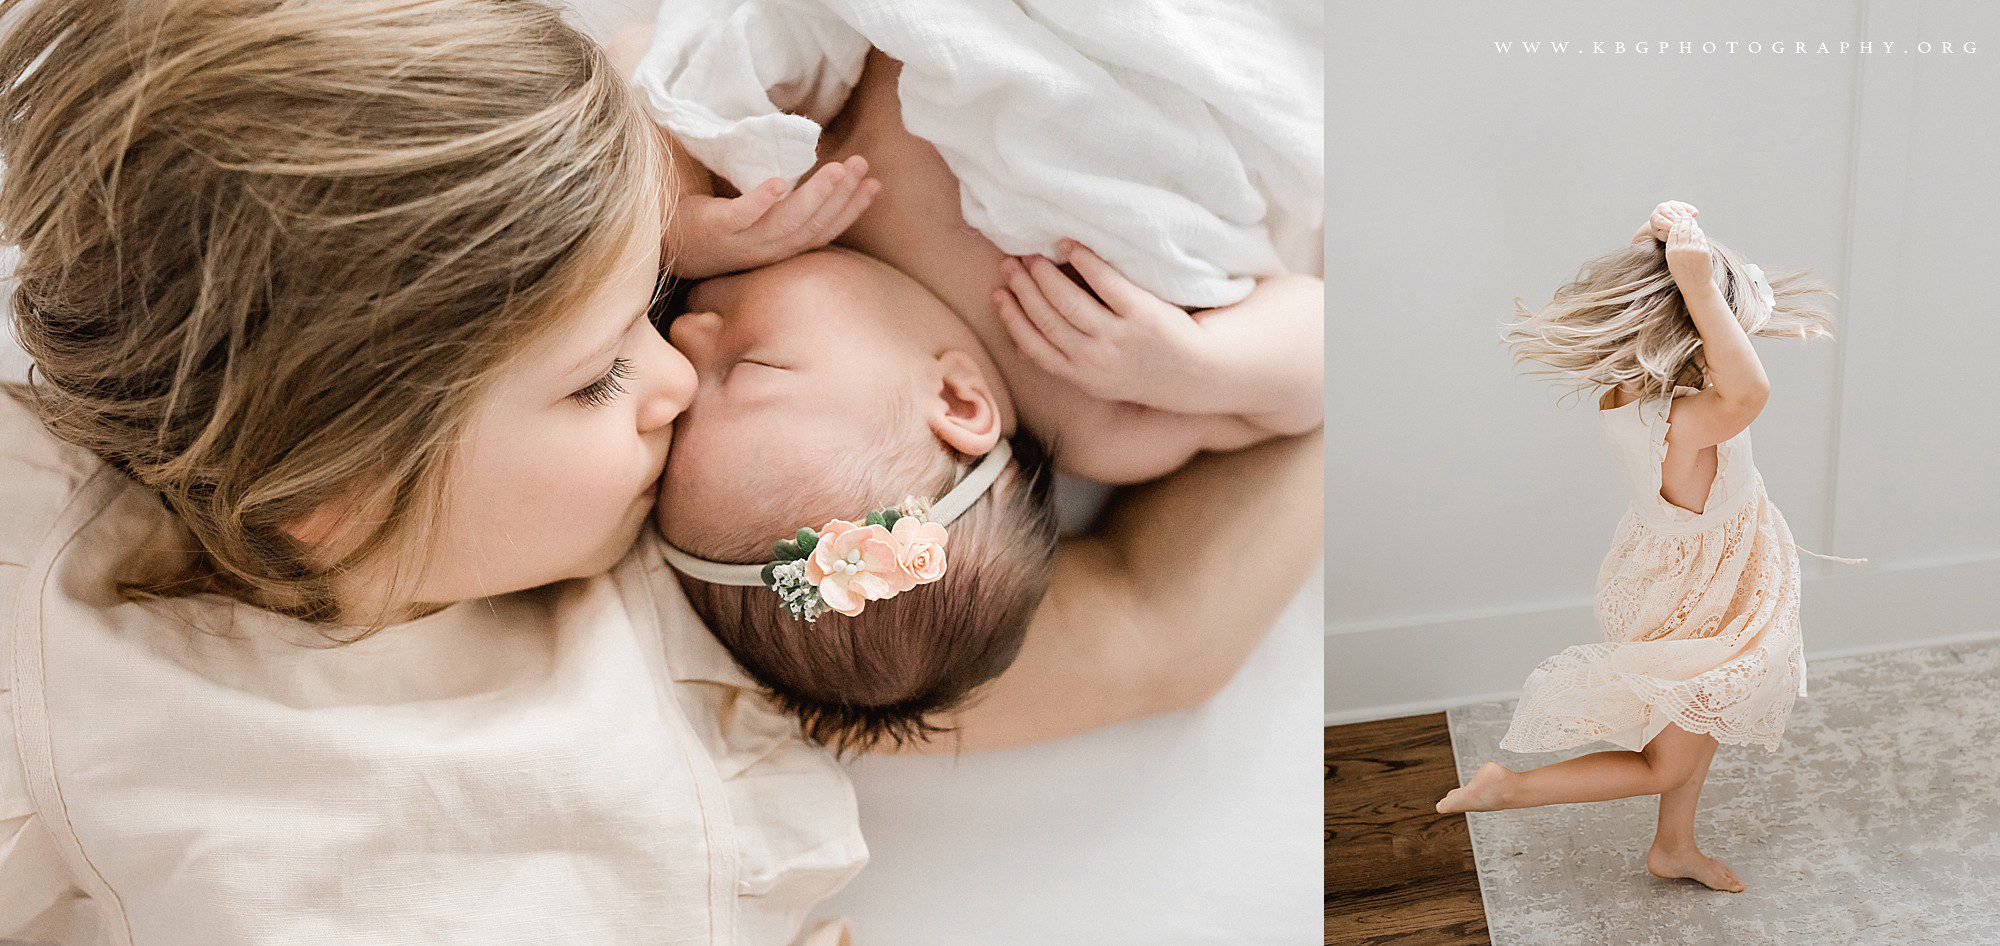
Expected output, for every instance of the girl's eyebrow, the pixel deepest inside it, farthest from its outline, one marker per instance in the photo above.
(609, 346)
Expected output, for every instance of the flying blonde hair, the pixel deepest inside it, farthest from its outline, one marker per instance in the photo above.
(1621, 321)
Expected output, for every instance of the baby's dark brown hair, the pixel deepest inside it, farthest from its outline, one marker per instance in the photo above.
(885, 676)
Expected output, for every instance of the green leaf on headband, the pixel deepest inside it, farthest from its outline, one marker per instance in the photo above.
(769, 574)
(786, 550)
(874, 518)
(889, 517)
(806, 540)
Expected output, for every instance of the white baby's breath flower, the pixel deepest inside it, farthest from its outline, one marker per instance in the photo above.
(801, 598)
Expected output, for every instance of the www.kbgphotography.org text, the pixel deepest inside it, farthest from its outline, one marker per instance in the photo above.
(1734, 48)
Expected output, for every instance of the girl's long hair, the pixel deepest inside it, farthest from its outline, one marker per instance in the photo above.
(272, 251)
(1621, 321)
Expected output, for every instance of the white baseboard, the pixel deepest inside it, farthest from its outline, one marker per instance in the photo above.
(1383, 670)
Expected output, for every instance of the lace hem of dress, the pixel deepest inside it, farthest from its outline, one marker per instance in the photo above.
(1559, 734)
(1745, 701)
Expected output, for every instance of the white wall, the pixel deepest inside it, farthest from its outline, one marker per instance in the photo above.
(1470, 507)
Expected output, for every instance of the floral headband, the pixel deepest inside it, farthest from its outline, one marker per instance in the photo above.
(841, 566)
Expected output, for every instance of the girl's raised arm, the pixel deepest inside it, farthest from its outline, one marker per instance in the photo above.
(1737, 386)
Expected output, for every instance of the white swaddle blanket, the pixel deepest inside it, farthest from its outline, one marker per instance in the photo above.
(1180, 139)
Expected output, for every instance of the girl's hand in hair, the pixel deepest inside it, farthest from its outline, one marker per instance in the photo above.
(1737, 387)
(1661, 223)
(1689, 258)
(710, 236)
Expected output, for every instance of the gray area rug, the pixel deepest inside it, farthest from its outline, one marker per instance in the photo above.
(1877, 821)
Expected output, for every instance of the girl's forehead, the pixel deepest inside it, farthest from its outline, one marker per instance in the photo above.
(615, 294)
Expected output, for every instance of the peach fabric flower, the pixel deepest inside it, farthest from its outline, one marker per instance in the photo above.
(855, 564)
(920, 549)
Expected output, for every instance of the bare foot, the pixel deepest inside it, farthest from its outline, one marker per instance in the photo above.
(1486, 792)
(1692, 865)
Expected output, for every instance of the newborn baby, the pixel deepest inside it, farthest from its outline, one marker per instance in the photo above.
(832, 386)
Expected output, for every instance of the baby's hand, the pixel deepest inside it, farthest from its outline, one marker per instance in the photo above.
(1665, 216)
(710, 236)
(1688, 257)
(1130, 347)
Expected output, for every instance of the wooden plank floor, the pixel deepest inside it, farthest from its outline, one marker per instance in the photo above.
(1397, 872)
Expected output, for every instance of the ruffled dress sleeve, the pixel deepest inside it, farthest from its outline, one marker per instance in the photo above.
(1654, 416)
(38, 901)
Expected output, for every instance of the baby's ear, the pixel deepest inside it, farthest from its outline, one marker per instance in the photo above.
(966, 414)
(323, 531)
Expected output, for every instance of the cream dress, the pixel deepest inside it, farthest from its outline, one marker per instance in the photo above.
(1700, 612)
(581, 763)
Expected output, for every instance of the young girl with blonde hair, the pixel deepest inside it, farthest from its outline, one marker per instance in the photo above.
(331, 610)
(1699, 596)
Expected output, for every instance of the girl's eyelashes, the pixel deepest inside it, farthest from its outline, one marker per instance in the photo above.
(606, 389)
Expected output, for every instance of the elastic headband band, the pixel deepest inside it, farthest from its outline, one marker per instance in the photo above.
(954, 504)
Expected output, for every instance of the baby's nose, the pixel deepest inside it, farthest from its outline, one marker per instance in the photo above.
(694, 333)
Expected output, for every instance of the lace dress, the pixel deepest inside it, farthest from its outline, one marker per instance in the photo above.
(1700, 612)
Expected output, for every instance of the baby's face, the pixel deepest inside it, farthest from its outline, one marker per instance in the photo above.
(797, 363)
